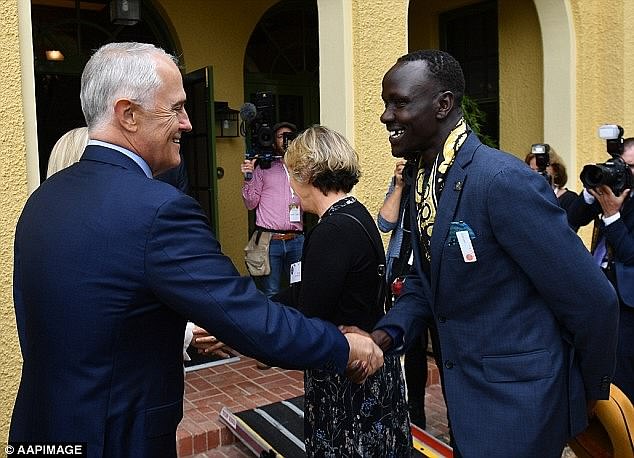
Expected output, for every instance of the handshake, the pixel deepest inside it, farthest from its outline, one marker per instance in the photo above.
(364, 359)
(366, 352)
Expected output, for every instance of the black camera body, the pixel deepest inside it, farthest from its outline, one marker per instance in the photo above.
(261, 135)
(614, 173)
(287, 138)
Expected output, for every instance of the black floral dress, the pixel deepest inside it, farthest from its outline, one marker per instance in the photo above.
(345, 419)
(340, 284)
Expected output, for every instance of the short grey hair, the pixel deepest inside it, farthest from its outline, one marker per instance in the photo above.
(119, 70)
(324, 158)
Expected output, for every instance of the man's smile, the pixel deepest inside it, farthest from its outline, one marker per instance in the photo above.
(395, 134)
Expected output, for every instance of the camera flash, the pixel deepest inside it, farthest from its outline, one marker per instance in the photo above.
(538, 149)
(610, 131)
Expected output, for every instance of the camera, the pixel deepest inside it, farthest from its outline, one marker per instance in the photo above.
(541, 151)
(287, 138)
(261, 135)
(614, 173)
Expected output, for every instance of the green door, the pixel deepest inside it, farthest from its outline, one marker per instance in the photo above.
(199, 145)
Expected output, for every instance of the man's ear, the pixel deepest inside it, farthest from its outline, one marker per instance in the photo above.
(445, 103)
(127, 114)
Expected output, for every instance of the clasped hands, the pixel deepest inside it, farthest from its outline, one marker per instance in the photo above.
(364, 359)
(366, 352)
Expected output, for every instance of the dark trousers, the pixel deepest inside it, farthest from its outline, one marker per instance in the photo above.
(416, 379)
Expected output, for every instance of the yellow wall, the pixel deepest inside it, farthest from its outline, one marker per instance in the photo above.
(521, 76)
(379, 38)
(216, 33)
(13, 193)
(605, 84)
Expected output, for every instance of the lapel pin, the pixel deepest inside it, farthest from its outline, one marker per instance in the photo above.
(457, 186)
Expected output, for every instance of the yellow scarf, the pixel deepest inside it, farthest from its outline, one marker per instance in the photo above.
(429, 186)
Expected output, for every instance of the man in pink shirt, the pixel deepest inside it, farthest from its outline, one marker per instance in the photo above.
(277, 210)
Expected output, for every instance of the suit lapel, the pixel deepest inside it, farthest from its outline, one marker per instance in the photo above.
(446, 210)
(448, 205)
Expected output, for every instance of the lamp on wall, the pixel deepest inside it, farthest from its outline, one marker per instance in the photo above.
(54, 55)
(226, 120)
(125, 12)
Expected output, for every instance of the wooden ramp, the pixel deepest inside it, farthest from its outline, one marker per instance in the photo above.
(277, 430)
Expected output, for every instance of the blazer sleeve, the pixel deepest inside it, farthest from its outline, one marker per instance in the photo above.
(581, 213)
(410, 315)
(187, 271)
(622, 239)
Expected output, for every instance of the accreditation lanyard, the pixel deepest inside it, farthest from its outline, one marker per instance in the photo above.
(294, 213)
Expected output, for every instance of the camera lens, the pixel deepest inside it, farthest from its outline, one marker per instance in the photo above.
(592, 176)
(265, 137)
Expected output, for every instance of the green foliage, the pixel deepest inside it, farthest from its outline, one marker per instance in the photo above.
(475, 117)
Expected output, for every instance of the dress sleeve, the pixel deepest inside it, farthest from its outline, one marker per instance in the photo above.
(327, 261)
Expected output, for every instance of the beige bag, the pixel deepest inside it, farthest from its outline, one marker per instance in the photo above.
(256, 254)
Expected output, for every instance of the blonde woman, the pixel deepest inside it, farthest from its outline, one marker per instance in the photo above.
(67, 150)
(338, 281)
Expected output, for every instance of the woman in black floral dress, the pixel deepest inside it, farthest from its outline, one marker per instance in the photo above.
(339, 283)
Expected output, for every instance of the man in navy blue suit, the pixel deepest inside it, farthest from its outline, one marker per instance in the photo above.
(526, 321)
(613, 249)
(109, 264)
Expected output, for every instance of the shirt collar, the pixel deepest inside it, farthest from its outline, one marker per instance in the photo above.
(135, 157)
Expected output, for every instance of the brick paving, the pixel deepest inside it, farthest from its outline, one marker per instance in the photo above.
(238, 386)
(241, 386)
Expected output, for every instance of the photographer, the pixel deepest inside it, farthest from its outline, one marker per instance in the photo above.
(554, 170)
(613, 248)
(277, 210)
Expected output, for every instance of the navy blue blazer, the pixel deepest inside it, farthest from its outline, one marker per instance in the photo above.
(108, 266)
(528, 331)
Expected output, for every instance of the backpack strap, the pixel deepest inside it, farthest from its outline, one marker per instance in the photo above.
(381, 299)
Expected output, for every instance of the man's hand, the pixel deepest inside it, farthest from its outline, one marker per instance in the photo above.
(208, 344)
(610, 204)
(247, 166)
(382, 339)
(365, 358)
(398, 173)
(357, 371)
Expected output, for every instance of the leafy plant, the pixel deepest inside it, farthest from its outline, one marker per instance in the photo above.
(476, 118)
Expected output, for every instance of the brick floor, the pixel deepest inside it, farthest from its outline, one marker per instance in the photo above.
(242, 386)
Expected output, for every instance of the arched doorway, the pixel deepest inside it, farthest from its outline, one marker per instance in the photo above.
(75, 29)
(282, 57)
